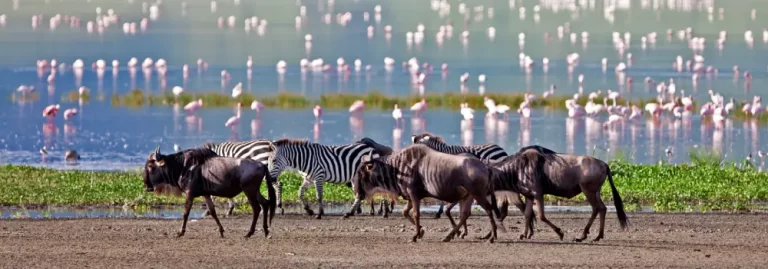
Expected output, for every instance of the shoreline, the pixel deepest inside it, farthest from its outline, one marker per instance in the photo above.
(665, 188)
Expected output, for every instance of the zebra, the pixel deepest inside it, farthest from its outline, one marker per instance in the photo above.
(489, 152)
(320, 163)
(257, 150)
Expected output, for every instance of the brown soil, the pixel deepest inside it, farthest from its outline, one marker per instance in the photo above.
(653, 240)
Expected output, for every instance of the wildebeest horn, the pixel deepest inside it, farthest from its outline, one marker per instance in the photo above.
(413, 138)
(369, 157)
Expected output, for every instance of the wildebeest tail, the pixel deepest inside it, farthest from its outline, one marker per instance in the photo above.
(617, 200)
(272, 198)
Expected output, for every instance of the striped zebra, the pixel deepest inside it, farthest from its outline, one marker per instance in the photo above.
(490, 152)
(320, 163)
(257, 150)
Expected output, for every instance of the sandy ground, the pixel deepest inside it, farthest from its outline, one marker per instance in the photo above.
(653, 240)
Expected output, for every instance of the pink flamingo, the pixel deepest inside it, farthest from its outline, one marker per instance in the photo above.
(397, 114)
(318, 111)
(258, 106)
(51, 111)
(69, 113)
(234, 120)
(193, 106)
(357, 107)
(419, 107)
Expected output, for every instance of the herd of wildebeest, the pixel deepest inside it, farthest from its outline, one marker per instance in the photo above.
(428, 168)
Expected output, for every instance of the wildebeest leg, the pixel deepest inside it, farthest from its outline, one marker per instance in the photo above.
(465, 209)
(303, 189)
(185, 216)
(373, 207)
(390, 208)
(598, 207)
(253, 199)
(319, 194)
(440, 210)
(528, 233)
(488, 207)
(448, 209)
(416, 202)
(212, 209)
(543, 218)
(407, 212)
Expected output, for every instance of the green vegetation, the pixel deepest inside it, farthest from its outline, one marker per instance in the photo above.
(701, 186)
(373, 100)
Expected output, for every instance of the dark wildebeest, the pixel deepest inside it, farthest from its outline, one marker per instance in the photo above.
(491, 152)
(200, 172)
(384, 207)
(534, 173)
(419, 172)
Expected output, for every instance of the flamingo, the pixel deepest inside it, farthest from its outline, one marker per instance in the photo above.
(357, 107)
(69, 113)
(193, 106)
(467, 112)
(317, 111)
(51, 111)
(419, 107)
(177, 91)
(234, 120)
(397, 114)
(258, 106)
(613, 118)
(237, 90)
(525, 111)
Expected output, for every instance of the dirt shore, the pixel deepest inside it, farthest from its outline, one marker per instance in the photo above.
(653, 240)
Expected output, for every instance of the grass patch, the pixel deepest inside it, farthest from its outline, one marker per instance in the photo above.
(373, 100)
(700, 186)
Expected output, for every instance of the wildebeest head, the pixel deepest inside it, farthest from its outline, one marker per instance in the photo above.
(157, 175)
(363, 178)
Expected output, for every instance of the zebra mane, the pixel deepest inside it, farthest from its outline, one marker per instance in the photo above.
(290, 141)
(198, 156)
(432, 137)
(538, 148)
(208, 145)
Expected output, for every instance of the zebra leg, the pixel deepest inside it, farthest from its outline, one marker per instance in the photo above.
(231, 206)
(302, 190)
(319, 192)
(279, 193)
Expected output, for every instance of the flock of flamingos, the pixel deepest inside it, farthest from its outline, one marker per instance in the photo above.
(669, 101)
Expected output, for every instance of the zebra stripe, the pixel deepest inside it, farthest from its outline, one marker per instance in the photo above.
(491, 152)
(321, 163)
(258, 150)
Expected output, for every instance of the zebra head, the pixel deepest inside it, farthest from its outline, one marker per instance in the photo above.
(428, 139)
(285, 153)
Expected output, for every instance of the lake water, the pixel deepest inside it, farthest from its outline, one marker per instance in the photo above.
(109, 137)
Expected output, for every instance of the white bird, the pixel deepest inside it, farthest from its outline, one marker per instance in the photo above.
(237, 90)
(419, 107)
(397, 114)
(234, 120)
(467, 112)
(177, 90)
(481, 79)
(258, 106)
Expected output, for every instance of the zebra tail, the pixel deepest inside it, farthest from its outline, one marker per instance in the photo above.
(272, 198)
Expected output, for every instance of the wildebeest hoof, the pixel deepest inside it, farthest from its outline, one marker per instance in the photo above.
(597, 238)
(421, 233)
(180, 234)
(448, 238)
(489, 236)
(282, 211)
(319, 216)
(437, 216)
(560, 234)
(248, 235)
(309, 212)
(347, 215)
(464, 234)
(266, 233)
(491, 240)
(578, 239)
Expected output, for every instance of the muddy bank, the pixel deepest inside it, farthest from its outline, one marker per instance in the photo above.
(653, 240)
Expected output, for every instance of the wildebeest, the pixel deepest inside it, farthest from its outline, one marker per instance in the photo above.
(534, 173)
(490, 152)
(384, 207)
(419, 172)
(200, 172)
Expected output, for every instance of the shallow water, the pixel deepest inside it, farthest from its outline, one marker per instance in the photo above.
(111, 138)
(175, 212)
